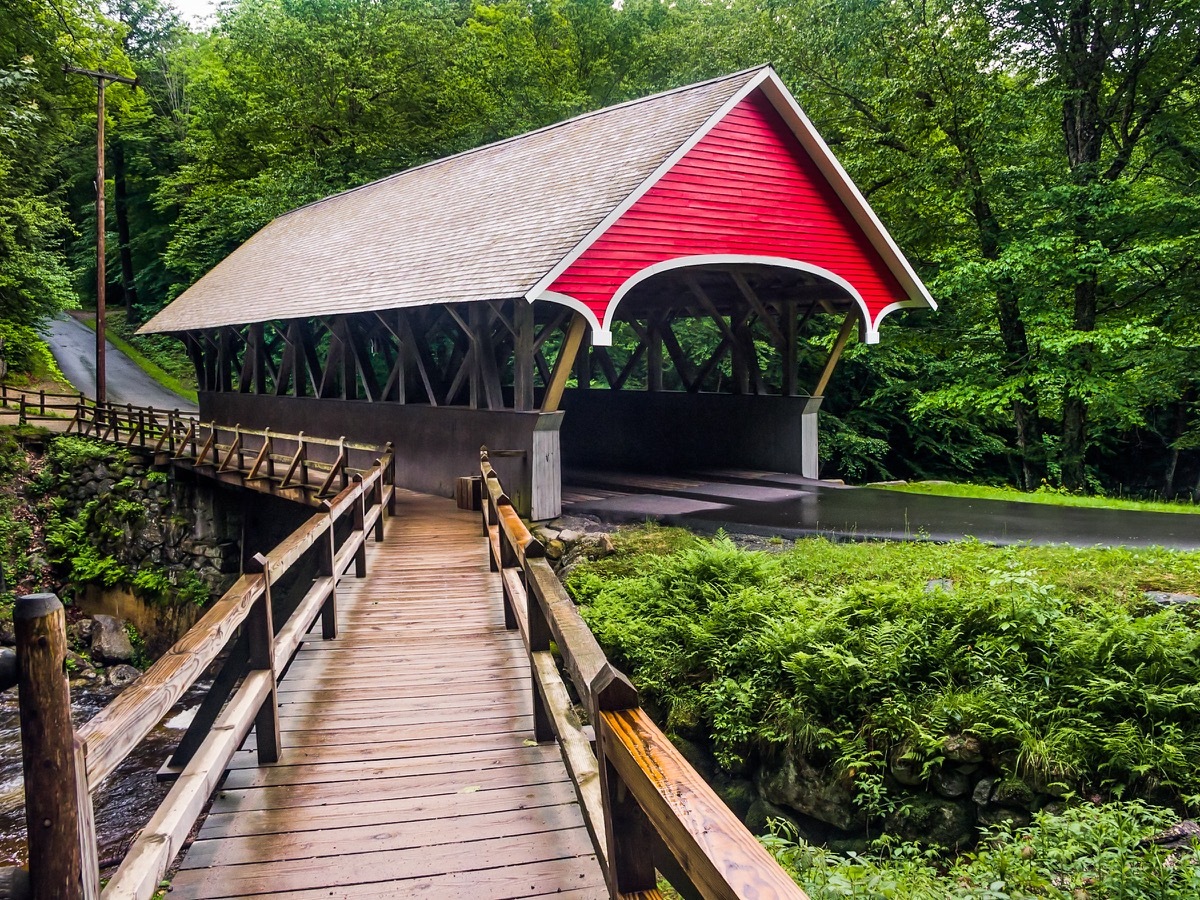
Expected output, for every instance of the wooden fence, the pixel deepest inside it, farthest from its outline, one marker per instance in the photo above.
(64, 766)
(645, 806)
(299, 467)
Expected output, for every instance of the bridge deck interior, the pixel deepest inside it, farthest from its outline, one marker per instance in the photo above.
(408, 768)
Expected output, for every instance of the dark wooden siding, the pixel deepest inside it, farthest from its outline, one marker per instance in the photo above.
(747, 188)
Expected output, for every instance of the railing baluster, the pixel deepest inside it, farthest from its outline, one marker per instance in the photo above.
(628, 832)
(327, 553)
(260, 632)
(358, 532)
(539, 640)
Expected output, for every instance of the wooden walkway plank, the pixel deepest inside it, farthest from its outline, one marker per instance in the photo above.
(408, 767)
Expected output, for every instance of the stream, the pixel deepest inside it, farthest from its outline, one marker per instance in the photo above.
(126, 800)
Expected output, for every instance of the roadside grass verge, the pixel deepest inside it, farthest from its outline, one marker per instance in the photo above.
(152, 356)
(1046, 495)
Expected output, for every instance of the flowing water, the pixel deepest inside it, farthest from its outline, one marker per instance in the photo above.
(124, 803)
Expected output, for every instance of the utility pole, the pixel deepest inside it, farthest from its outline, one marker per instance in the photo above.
(102, 78)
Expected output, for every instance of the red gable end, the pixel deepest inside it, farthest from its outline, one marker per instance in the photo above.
(748, 189)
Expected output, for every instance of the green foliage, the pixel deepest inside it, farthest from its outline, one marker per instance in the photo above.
(27, 354)
(1093, 852)
(168, 587)
(67, 452)
(1051, 656)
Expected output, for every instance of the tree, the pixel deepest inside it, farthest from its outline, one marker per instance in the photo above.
(1121, 71)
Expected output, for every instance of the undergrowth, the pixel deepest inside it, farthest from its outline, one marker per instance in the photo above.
(1085, 853)
(87, 545)
(1052, 657)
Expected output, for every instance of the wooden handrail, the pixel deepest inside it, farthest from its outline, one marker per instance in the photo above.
(637, 791)
(242, 695)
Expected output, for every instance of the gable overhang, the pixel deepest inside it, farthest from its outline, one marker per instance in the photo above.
(914, 294)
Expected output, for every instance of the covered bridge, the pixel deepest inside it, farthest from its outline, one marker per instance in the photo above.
(531, 295)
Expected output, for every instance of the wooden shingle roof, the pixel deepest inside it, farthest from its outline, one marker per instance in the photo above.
(486, 224)
(506, 220)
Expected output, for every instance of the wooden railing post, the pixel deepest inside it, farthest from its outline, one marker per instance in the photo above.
(260, 632)
(48, 750)
(390, 477)
(41, 402)
(539, 640)
(358, 532)
(628, 832)
(377, 501)
(326, 555)
(21, 411)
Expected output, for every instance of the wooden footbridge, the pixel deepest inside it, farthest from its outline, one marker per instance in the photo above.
(407, 705)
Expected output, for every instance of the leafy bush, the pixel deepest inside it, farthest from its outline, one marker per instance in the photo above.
(1052, 657)
(1086, 853)
(27, 353)
(68, 452)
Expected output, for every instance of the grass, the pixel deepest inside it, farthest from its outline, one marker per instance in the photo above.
(152, 355)
(1045, 495)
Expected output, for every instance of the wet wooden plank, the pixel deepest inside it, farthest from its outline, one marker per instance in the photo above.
(529, 880)
(467, 857)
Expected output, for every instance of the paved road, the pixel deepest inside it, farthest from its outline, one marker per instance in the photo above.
(74, 347)
(772, 503)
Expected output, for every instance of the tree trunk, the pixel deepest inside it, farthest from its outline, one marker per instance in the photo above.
(1074, 437)
(1018, 363)
(1181, 421)
(1026, 418)
(121, 204)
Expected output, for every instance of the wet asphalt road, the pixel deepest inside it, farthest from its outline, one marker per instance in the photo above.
(788, 505)
(74, 347)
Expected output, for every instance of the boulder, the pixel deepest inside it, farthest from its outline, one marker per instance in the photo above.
(962, 748)
(933, 821)
(81, 632)
(820, 793)
(761, 814)
(1166, 598)
(945, 585)
(739, 794)
(110, 643)
(951, 782)
(983, 791)
(569, 536)
(122, 675)
(79, 666)
(1004, 815)
(906, 768)
(1013, 792)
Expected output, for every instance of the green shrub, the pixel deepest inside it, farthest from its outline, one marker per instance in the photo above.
(1086, 853)
(1052, 657)
(69, 452)
(27, 354)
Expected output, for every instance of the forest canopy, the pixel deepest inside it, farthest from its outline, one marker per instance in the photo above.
(1037, 160)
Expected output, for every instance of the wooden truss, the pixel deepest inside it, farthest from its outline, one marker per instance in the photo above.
(516, 355)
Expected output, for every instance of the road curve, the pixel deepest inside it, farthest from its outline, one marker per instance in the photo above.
(74, 347)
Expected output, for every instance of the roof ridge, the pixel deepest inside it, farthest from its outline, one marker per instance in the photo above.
(528, 134)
